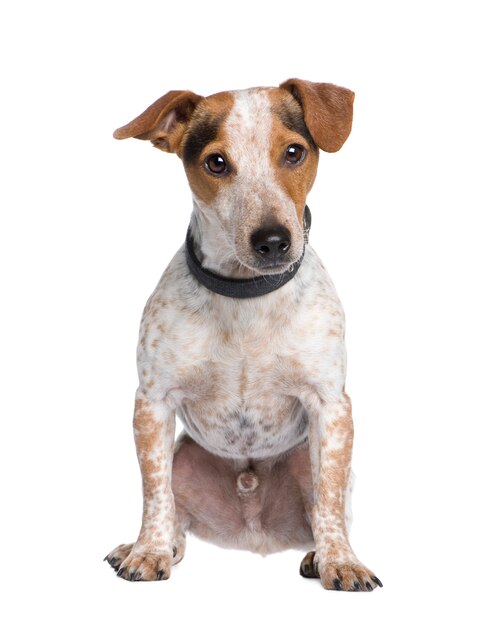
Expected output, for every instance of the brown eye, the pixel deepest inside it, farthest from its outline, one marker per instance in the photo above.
(216, 164)
(294, 154)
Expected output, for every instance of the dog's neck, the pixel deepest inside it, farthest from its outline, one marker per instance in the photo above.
(231, 285)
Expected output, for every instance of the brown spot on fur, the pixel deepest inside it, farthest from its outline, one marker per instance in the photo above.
(150, 466)
(226, 336)
(243, 379)
(147, 429)
(335, 459)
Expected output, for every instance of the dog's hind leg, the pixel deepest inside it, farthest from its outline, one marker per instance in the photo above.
(255, 505)
(206, 498)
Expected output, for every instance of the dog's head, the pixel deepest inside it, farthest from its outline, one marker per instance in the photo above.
(251, 158)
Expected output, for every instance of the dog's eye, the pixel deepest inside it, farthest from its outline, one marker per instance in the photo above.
(294, 154)
(216, 164)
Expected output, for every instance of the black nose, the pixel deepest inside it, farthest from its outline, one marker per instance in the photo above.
(271, 244)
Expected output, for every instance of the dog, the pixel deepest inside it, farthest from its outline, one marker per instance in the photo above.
(243, 338)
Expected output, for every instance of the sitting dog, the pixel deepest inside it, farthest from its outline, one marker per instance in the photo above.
(243, 337)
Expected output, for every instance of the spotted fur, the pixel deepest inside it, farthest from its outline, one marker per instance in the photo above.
(259, 384)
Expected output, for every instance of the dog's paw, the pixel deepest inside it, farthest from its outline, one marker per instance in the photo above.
(341, 576)
(134, 563)
(308, 567)
(347, 577)
(117, 556)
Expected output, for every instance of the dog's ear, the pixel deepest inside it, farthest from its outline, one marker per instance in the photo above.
(327, 111)
(164, 122)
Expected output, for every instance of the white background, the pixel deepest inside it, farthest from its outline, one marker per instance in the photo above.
(407, 217)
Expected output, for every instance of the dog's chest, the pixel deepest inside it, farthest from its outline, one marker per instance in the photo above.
(235, 370)
(238, 398)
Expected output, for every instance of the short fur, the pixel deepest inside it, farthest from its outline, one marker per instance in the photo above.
(259, 383)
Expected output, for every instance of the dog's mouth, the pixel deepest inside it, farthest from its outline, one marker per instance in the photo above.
(272, 268)
(277, 268)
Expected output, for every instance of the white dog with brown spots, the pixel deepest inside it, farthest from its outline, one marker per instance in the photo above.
(243, 338)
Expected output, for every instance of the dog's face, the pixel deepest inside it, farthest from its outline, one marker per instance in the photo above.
(250, 162)
(251, 158)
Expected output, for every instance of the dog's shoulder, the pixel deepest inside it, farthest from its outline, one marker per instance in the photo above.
(317, 298)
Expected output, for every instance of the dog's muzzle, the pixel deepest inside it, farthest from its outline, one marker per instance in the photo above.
(276, 244)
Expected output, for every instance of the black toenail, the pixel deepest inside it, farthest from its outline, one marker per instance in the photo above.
(369, 586)
(120, 572)
(357, 586)
(337, 584)
(174, 551)
(377, 581)
(160, 574)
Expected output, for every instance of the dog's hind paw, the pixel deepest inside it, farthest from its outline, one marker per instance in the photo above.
(308, 567)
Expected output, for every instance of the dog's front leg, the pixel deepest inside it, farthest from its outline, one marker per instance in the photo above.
(151, 556)
(331, 438)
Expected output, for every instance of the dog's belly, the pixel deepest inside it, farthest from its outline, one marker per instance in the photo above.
(259, 428)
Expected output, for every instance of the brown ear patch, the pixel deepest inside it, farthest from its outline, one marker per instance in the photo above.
(291, 115)
(327, 111)
(163, 122)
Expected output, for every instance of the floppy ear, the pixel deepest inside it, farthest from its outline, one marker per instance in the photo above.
(327, 111)
(164, 122)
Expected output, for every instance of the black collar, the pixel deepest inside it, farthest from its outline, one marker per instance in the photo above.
(242, 287)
